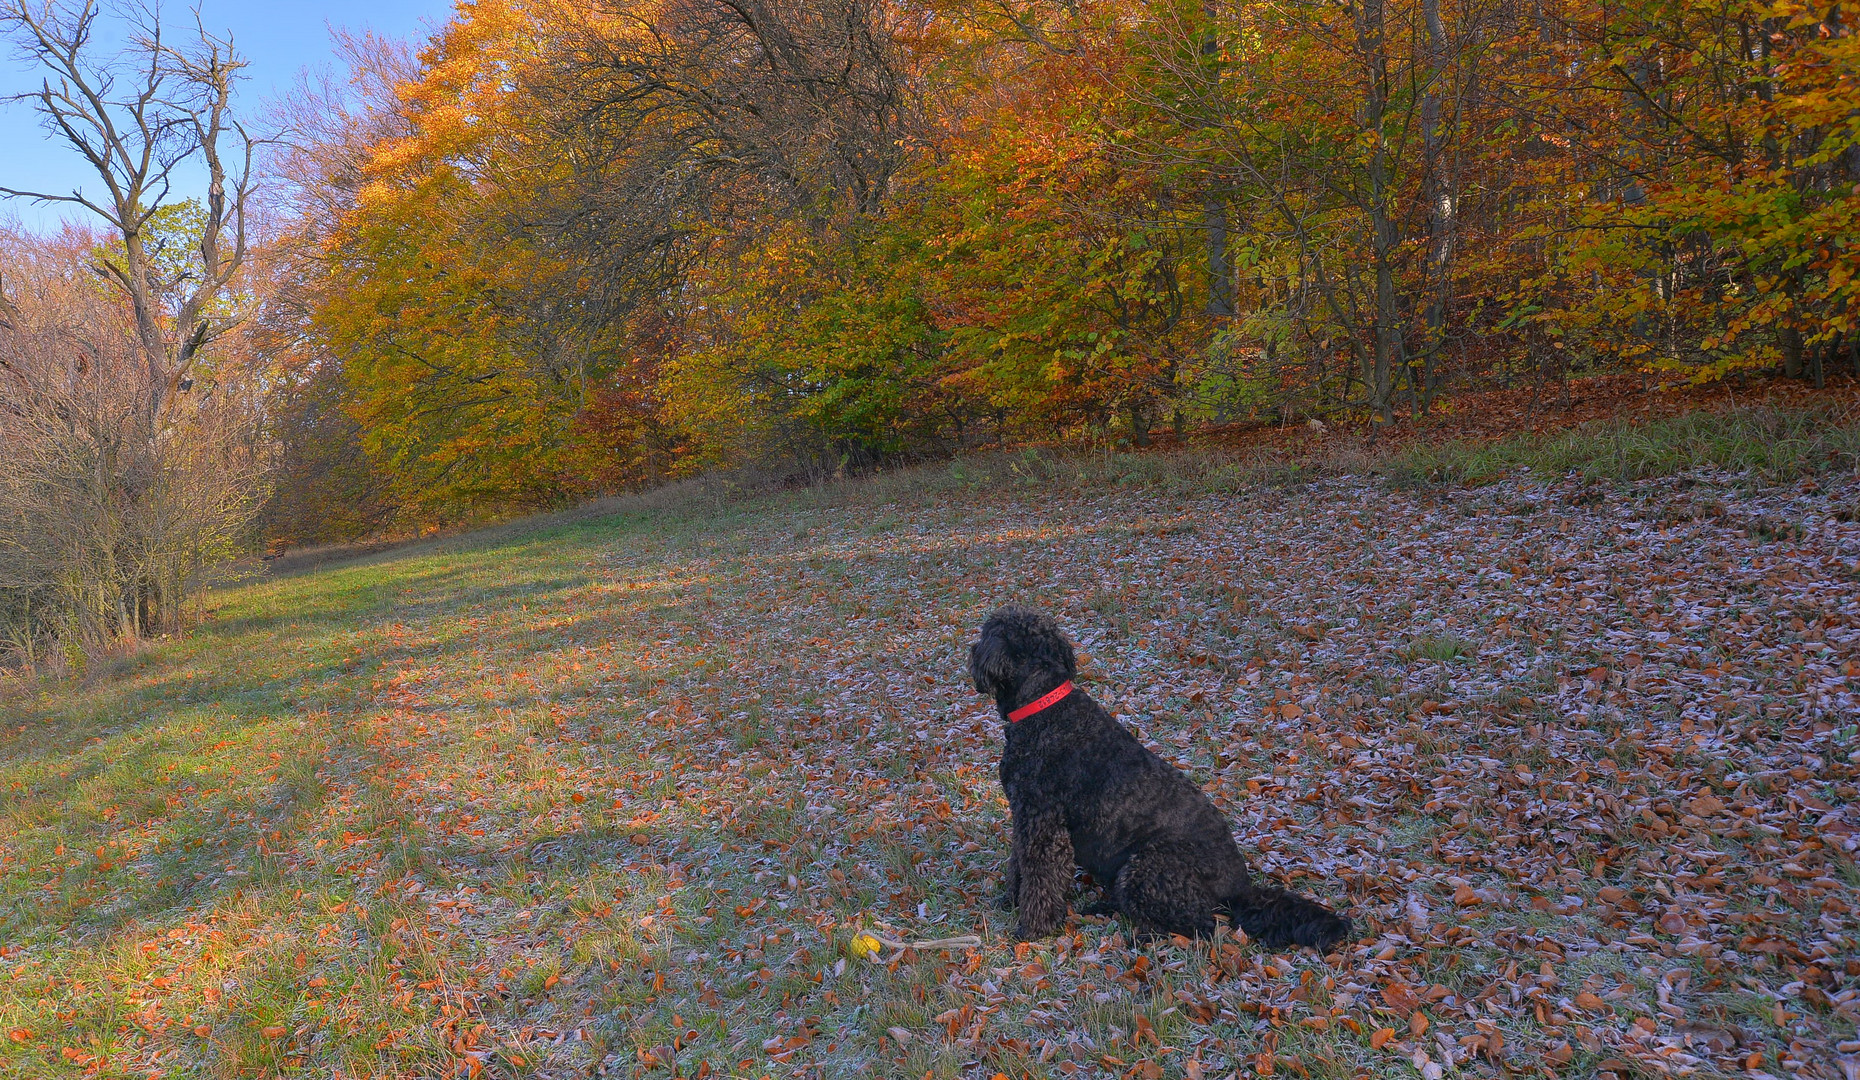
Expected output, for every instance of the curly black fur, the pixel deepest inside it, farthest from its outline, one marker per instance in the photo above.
(1083, 790)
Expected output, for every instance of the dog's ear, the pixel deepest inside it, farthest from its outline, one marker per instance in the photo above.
(1042, 645)
(990, 664)
(1063, 655)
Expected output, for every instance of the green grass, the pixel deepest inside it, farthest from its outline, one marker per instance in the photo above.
(618, 787)
(1768, 443)
(1440, 648)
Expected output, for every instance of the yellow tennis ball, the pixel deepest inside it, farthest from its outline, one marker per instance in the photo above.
(864, 945)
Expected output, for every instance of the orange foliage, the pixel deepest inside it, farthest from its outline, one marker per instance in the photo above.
(606, 248)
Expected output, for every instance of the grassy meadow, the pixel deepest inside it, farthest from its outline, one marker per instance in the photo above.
(610, 794)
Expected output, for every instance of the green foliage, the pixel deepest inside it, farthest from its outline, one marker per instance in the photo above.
(171, 236)
(821, 351)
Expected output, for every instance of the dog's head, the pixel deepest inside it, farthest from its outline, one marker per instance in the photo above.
(1016, 644)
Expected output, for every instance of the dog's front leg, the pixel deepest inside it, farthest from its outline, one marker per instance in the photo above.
(1042, 865)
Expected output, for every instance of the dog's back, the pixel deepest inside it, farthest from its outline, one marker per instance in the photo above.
(1118, 796)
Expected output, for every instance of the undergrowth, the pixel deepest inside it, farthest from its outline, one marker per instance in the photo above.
(1769, 443)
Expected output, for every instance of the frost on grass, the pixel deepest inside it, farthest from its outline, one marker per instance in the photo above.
(614, 798)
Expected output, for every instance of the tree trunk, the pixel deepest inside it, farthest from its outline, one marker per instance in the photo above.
(1386, 350)
(1220, 274)
(1439, 190)
(1791, 341)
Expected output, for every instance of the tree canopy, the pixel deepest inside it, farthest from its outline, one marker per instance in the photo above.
(577, 249)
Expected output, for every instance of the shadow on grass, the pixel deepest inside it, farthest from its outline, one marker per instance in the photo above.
(163, 818)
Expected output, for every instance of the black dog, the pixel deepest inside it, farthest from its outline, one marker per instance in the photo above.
(1083, 790)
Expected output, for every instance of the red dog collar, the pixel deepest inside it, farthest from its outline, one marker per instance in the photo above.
(1051, 698)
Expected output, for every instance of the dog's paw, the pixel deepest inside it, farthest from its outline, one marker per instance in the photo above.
(1004, 901)
(1031, 931)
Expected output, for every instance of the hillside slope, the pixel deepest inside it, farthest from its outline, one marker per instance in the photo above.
(613, 796)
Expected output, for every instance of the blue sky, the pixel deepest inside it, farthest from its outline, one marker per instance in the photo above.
(279, 37)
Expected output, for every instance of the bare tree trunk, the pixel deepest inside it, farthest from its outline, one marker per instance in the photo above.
(1386, 352)
(1440, 195)
(180, 98)
(1214, 205)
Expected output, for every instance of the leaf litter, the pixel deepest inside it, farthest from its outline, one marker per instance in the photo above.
(620, 799)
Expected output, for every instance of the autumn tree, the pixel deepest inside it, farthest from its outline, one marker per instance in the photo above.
(135, 121)
(518, 262)
(1066, 274)
(104, 530)
(572, 248)
(1710, 158)
(325, 486)
(1335, 148)
(121, 406)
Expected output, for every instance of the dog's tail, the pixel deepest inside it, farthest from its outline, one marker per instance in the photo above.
(1276, 917)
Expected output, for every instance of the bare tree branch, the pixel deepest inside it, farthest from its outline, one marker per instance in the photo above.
(178, 107)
